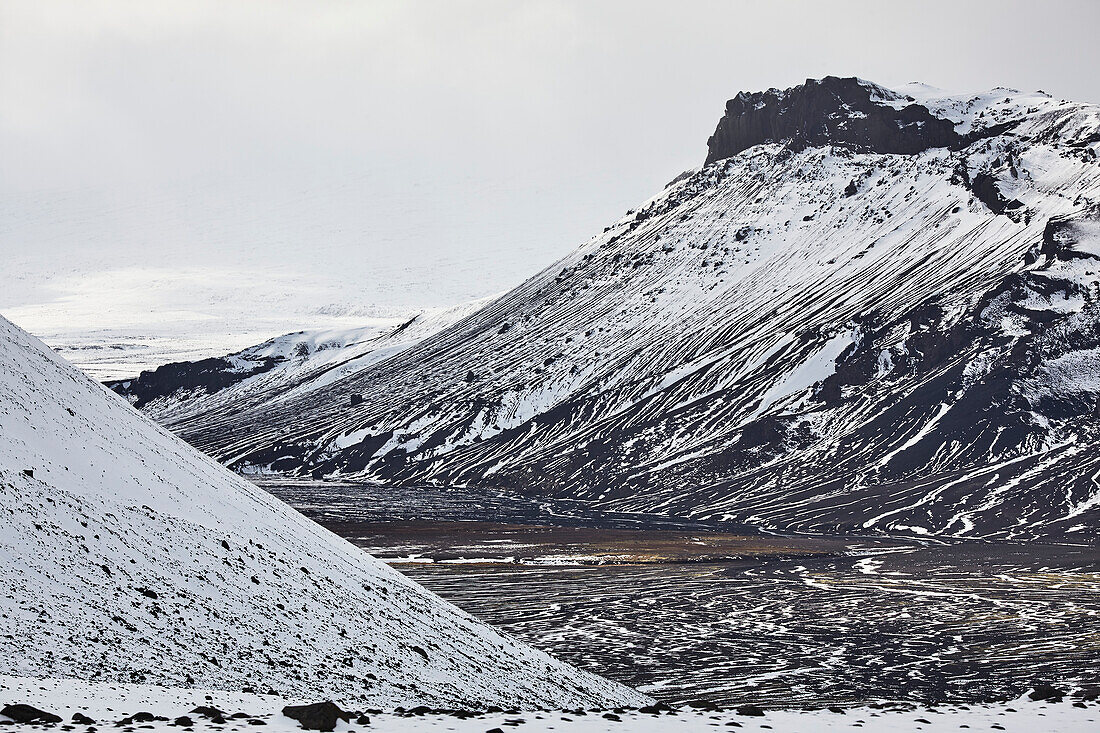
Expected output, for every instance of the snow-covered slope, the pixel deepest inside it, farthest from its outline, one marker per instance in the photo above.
(127, 555)
(279, 369)
(871, 310)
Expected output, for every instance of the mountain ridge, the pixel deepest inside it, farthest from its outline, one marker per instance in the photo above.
(805, 335)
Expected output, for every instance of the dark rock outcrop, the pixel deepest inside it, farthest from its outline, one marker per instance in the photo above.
(987, 191)
(829, 111)
(1046, 691)
(209, 375)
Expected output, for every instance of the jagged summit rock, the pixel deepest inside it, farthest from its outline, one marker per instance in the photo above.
(848, 113)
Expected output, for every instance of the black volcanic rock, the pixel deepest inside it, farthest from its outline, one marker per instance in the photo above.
(829, 111)
(210, 375)
(1046, 691)
(22, 713)
(317, 716)
(987, 191)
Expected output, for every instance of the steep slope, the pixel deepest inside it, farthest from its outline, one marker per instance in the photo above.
(871, 310)
(126, 555)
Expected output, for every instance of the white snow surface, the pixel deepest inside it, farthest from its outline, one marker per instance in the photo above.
(128, 556)
(110, 702)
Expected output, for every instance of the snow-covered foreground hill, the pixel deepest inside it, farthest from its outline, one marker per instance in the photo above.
(872, 310)
(106, 703)
(128, 556)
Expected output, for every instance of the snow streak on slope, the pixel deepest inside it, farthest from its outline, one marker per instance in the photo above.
(807, 333)
(127, 555)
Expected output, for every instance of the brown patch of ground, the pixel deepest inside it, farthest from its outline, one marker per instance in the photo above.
(495, 543)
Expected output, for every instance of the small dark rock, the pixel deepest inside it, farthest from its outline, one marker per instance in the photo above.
(183, 721)
(362, 720)
(420, 651)
(208, 712)
(82, 719)
(751, 710)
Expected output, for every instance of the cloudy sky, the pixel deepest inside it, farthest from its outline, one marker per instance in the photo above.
(226, 160)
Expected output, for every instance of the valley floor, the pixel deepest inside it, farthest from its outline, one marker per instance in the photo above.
(689, 611)
(108, 703)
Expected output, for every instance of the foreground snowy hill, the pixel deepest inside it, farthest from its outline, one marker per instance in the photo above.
(870, 310)
(128, 556)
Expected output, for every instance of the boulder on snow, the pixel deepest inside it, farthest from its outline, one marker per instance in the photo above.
(1046, 691)
(1088, 692)
(22, 713)
(316, 716)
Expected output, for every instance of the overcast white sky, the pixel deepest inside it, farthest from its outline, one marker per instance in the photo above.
(323, 155)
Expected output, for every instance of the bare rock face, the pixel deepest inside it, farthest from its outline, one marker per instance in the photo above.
(830, 111)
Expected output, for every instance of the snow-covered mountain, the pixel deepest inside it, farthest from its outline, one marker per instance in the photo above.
(128, 556)
(871, 309)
